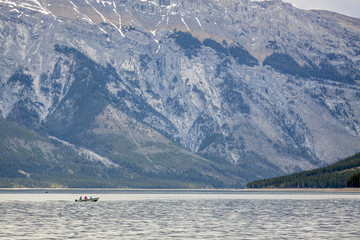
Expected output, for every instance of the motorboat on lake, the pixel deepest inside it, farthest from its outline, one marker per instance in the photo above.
(87, 200)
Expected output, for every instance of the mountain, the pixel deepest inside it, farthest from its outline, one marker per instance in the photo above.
(344, 173)
(144, 158)
(29, 160)
(257, 89)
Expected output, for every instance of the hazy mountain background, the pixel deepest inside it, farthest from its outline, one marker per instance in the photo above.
(170, 93)
(346, 7)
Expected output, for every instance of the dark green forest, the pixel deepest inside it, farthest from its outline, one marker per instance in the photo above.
(345, 173)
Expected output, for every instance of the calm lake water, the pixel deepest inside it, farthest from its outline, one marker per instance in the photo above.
(141, 214)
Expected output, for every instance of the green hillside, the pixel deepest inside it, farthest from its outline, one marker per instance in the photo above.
(139, 160)
(344, 173)
(30, 160)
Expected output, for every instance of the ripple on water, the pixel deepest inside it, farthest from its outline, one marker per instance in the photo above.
(198, 218)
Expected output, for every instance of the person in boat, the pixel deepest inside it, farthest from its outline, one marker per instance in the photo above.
(80, 198)
(90, 197)
(85, 197)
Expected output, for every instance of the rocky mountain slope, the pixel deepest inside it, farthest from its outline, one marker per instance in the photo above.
(261, 88)
(139, 158)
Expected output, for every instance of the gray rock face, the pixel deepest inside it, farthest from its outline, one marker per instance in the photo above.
(264, 86)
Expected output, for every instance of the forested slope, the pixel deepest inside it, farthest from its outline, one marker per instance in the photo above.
(344, 173)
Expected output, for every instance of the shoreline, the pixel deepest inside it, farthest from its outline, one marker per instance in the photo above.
(329, 190)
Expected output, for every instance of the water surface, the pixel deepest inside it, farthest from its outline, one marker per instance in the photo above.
(140, 214)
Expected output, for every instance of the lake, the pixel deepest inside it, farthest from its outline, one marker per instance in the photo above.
(179, 214)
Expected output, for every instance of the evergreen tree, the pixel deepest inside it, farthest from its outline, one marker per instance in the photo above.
(354, 181)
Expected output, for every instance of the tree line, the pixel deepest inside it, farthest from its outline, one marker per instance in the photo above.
(345, 173)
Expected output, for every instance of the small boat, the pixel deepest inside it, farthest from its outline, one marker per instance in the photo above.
(87, 200)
